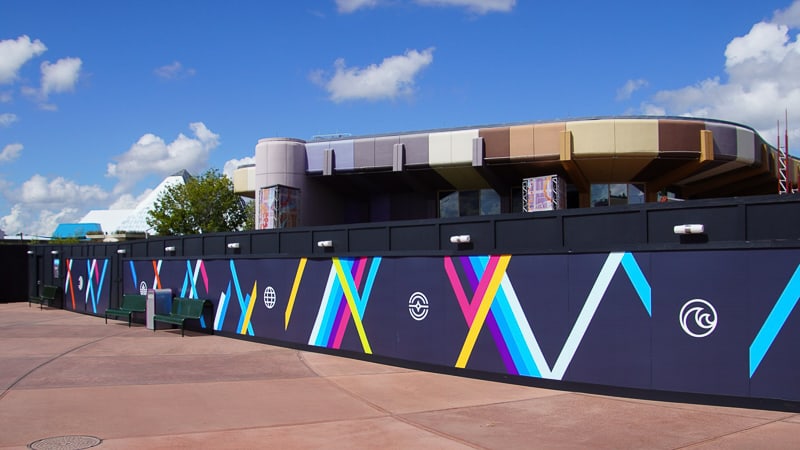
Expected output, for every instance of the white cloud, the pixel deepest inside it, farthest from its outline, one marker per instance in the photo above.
(174, 71)
(22, 219)
(15, 53)
(60, 76)
(5, 97)
(129, 201)
(629, 88)
(762, 80)
(232, 164)
(152, 155)
(6, 119)
(348, 6)
(789, 16)
(475, 6)
(38, 190)
(10, 152)
(41, 204)
(392, 78)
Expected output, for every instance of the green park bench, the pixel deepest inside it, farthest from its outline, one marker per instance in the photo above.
(131, 303)
(48, 296)
(183, 309)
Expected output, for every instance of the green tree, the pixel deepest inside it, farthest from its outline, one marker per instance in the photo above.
(250, 211)
(204, 204)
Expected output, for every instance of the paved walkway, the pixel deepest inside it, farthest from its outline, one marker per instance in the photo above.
(66, 374)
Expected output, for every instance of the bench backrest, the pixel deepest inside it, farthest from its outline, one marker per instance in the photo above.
(189, 307)
(49, 291)
(133, 302)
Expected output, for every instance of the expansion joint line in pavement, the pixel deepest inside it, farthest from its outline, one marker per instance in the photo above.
(23, 376)
(382, 410)
(734, 433)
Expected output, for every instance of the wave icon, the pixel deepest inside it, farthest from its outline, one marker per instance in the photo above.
(698, 318)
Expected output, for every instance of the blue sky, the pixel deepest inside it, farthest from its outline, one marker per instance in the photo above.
(100, 100)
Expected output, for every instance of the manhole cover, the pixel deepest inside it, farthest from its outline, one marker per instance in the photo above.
(65, 443)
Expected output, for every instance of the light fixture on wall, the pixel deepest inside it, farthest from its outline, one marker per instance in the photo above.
(461, 239)
(233, 245)
(53, 252)
(121, 251)
(30, 252)
(169, 249)
(694, 228)
(325, 244)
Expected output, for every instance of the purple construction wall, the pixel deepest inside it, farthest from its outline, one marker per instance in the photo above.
(718, 322)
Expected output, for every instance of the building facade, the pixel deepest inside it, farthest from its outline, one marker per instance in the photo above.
(481, 170)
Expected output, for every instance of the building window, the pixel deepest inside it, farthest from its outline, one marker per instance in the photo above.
(617, 194)
(481, 202)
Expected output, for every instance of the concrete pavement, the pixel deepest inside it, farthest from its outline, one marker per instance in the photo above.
(69, 380)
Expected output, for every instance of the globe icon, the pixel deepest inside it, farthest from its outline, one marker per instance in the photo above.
(269, 297)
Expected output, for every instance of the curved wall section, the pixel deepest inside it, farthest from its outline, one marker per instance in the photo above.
(280, 161)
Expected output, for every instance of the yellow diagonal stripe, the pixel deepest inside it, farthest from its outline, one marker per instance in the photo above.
(298, 276)
(483, 311)
(352, 304)
(250, 306)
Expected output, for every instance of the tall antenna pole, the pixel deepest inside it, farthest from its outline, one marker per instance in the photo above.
(782, 182)
(789, 186)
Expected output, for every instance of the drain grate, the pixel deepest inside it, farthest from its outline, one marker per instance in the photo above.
(65, 443)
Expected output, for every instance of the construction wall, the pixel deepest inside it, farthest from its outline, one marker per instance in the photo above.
(600, 297)
(710, 322)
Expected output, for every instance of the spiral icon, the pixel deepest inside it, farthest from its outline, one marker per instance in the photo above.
(698, 318)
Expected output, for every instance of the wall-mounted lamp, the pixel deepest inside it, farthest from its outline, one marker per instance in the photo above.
(324, 244)
(695, 228)
(121, 251)
(53, 252)
(169, 249)
(233, 245)
(30, 252)
(461, 239)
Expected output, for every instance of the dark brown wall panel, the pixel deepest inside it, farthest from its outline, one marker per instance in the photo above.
(497, 142)
(679, 135)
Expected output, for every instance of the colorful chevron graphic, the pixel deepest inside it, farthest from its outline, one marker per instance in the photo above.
(495, 303)
(94, 282)
(775, 321)
(341, 301)
(189, 289)
(246, 303)
(156, 274)
(68, 283)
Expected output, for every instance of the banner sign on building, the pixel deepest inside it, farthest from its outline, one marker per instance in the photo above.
(543, 193)
(278, 207)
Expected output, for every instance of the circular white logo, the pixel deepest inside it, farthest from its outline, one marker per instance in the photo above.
(80, 283)
(142, 288)
(698, 318)
(418, 306)
(269, 297)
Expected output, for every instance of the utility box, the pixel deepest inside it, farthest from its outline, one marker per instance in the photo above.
(159, 301)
